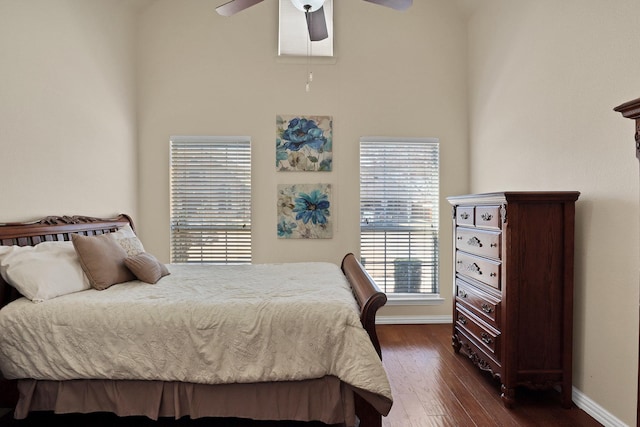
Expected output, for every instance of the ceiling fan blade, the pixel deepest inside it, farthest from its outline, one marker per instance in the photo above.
(393, 4)
(235, 6)
(317, 25)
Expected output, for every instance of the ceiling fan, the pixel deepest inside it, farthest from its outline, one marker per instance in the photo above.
(314, 13)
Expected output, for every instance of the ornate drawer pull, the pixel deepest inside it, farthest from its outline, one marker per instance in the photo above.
(486, 216)
(474, 241)
(486, 338)
(494, 245)
(464, 215)
(462, 320)
(459, 237)
(492, 275)
(487, 308)
(474, 268)
(461, 293)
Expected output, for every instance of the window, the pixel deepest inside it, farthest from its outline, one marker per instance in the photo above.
(210, 199)
(399, 191)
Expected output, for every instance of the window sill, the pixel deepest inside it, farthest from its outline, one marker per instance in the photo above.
(414, 299)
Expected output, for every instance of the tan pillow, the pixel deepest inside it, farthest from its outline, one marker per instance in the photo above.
(102, 260)
(146, 267)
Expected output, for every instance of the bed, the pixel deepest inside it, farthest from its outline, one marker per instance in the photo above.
(127, 346)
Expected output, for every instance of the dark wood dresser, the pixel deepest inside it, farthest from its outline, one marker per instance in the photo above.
(631, 110)
(513, 290)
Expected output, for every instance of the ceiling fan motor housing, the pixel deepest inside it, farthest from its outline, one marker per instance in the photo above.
(307, 5)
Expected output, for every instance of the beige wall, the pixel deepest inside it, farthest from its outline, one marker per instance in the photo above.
(545, 76)
(67, 108)
(395, 74)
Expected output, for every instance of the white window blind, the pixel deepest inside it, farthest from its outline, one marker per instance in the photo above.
(211, 199)
(399, 204)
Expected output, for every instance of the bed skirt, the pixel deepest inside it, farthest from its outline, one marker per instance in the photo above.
(326, 399)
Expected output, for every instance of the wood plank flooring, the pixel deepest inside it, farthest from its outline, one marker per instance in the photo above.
(432, 386)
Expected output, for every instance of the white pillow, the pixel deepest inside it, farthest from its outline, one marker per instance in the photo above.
(127, 238)
(44, 271)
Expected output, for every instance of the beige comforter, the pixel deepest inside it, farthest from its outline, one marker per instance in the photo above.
(201, 324)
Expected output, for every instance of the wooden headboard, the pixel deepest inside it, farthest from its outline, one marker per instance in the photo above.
(52, 228)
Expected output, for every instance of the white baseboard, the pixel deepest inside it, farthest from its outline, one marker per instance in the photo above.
(581, 400)
(596, 411)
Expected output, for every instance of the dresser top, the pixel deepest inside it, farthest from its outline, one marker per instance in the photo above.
(516, 196)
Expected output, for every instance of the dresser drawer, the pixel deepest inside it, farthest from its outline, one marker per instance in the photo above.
(465, 215)
(480, 242)
(487, 216)
(482, 304)
(482, 269)
(484, 336)
(482, 358)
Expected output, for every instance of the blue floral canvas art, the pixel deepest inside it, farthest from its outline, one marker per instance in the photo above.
(304, 143)
(304, 211)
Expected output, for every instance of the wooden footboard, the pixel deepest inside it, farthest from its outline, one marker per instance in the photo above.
(370, 298)
(367, 293)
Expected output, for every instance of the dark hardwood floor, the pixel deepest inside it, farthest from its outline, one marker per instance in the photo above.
(431, 385)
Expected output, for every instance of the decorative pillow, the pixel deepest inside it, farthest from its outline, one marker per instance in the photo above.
(44, 271)
(102, 260)
(146, 267)
(126, 237)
